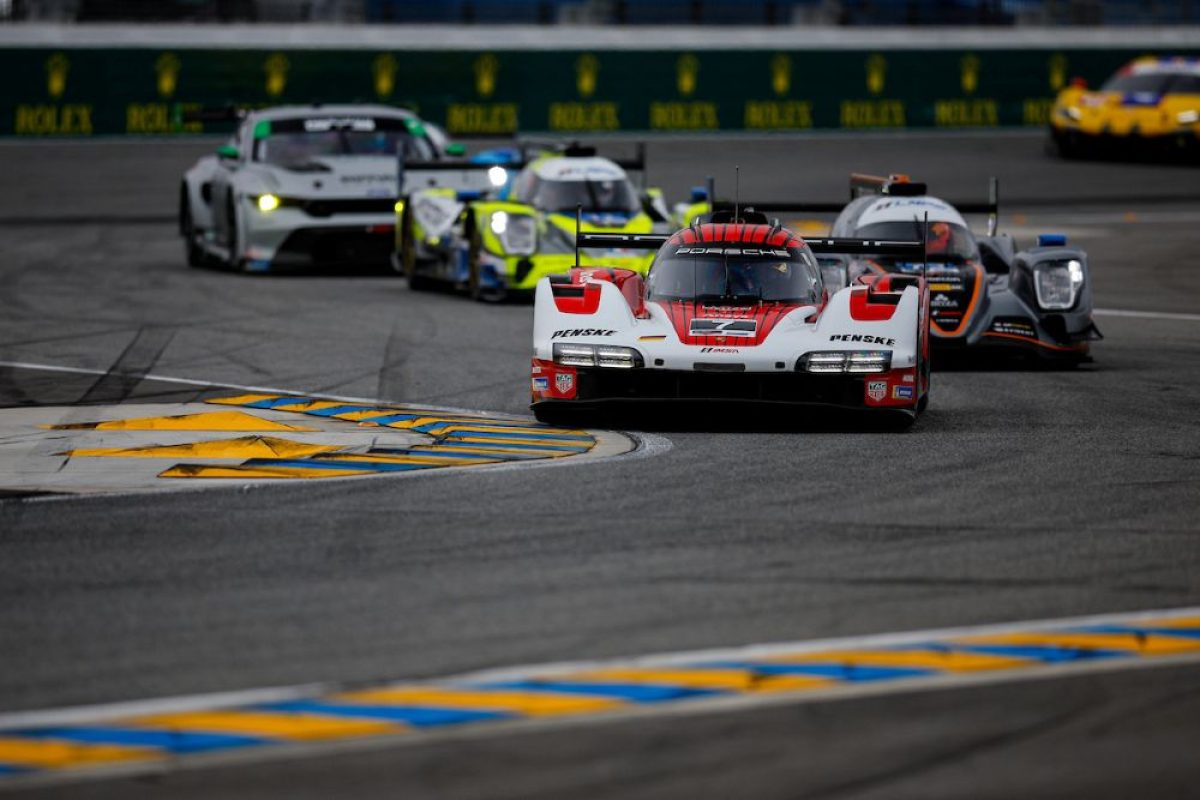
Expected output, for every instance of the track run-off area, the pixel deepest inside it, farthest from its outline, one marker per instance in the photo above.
(728, 584)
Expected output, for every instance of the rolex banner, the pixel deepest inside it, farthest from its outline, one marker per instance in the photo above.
(87, 92)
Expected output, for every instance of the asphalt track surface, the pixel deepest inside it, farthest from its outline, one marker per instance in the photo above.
(1021, 494)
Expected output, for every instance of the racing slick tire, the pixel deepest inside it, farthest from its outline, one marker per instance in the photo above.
(408, 253)
(232, 261)
(558, 417)
(194, 254)
(475, 287)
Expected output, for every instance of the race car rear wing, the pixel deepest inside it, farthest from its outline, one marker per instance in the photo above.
(860, 185)
(653, 241)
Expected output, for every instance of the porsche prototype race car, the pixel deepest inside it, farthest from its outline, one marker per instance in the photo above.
(304, 185)
(734, 309)
(1151, 106)
(984, 293)
(505, 241)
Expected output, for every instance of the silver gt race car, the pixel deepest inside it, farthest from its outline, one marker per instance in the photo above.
(304, 185)
(734, 309)
(985, 294)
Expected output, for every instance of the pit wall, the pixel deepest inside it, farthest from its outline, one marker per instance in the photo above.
(73, 83)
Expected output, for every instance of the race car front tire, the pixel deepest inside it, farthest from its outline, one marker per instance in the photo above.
(408, 253)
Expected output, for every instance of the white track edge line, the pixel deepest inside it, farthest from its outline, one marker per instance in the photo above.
(1120, 312)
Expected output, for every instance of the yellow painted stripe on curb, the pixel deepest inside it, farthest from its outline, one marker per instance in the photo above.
(267, 724)
(242, 399)
(1095, 641)
(57, 754)
(243, 447)
(736, 680)
(530, 703)
(1180, 622)
(207, 421)
(948, 660)
(234, 471)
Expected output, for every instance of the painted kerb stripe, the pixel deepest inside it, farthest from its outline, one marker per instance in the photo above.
(124, 740)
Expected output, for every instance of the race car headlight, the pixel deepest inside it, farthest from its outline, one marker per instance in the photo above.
(267, 203)
(517, 232)
(854, 361)
(587, 355)
(1057, 283)
(1071, 113)
(1188, 117)
(497, 176)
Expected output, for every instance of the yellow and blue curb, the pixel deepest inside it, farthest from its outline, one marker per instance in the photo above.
(127, 742)
(265, 436)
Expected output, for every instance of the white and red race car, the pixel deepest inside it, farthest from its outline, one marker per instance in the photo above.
(732, 310)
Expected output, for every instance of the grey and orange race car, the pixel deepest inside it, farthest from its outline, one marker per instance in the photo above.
(985, 294)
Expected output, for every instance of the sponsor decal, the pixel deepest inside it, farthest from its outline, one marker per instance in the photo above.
(736, 328)
(733, 251)
(943, 287)
(877, 390)
(537, 370)
(569, 333)
(651, 338)
(902, 392)
(719, 350)
(859, 337)
(541, 384)
(564, 382)
(340, 124)
(368, 179)
(1014, 327)
(943, 301)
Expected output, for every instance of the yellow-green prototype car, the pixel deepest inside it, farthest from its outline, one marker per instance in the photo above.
(501, 243)
(1151, 106)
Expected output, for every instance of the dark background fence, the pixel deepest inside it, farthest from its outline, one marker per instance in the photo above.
(89, 91)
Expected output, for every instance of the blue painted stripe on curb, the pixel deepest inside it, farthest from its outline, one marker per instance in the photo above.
(12, 769)
(515, 433)
(419, 716)
(451, 440)
(404, 451)
(524, 435)
(1049, 654)
(373, 466)
(851, 673)
(435, 450)
(386, 418)
(279, 401)
(170, 741)
(633, 692)
(333, 412)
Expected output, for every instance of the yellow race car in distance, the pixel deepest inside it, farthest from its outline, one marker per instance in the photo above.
(1150, 107)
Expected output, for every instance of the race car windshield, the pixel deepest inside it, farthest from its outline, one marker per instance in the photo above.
(612, 195)
(296, 142)
(737, 276)
(1149, 83)
(947, 241)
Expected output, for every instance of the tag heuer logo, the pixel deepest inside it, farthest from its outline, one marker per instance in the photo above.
(564, 382)
(877, 390)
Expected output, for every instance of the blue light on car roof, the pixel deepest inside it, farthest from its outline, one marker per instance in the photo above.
(1052, 240)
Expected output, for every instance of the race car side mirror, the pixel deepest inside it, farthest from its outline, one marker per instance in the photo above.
(456, 149)
(227, 151)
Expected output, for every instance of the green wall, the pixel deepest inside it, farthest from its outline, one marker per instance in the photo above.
(81, 91)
